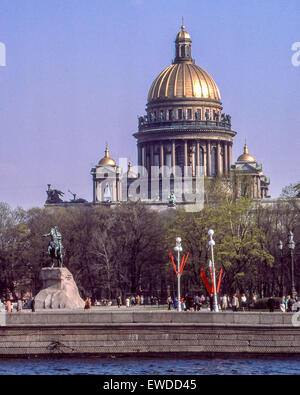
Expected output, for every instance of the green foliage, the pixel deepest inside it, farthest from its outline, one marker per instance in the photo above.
(125, 250)
(240, 245)
(109, 251)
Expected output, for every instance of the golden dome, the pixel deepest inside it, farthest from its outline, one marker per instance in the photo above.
(130, 172)
(246, 157)
(183, 35)
(107, 161)
(184, 80)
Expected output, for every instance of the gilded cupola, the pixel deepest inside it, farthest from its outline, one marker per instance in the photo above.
(107, 160)
(246, 157)
(183, 79)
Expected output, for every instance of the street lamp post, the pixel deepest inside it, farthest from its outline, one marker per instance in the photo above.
(280, 247)
(178, 248)
(211, 243)
(291, 245)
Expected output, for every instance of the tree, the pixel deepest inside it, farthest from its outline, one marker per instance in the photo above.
(12, 245)
(240, 245)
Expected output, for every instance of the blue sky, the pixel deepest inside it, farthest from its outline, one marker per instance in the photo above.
(78, 74)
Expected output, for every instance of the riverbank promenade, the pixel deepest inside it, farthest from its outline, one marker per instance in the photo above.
(139, 331)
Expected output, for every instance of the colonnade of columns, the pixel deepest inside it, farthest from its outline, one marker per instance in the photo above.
(214, 156)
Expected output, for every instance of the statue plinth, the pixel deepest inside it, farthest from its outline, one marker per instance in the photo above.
(59, 290)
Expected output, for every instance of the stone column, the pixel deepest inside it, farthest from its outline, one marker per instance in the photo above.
(161, 157)
(254, 188)
(118, 188)
(94, 189)
(185, 157)
(208, 158)
(139, 148)
(151, 156)
(173, 160)
(144, 158)
(229, 155)
(259, 187)
(225, 159)
(204, 148)
(197, 158)
(219, 165)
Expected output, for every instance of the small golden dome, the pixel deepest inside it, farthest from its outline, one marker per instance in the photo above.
(130, 173)
(107, 161)
(183, 35)
(184, 80)
(246, 157)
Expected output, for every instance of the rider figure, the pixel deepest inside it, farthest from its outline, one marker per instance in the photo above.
(56, 241)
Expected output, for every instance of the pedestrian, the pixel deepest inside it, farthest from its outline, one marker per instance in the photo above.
(138, 300)
(244, 302)
(271, 304)
(183, 305)
(224, 302)
(169, 302)
(33, 305)
(88, 304)
(132, 301)
(197, 303)
(289, 304)
(119, 301)
(127, 301)
(175, 305)
(235, 303)
(19, 305)
(8, 306)
(211, 302)
(283, 304)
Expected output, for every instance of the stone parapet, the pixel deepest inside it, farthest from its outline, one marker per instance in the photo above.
(138, 333)
(101, 317)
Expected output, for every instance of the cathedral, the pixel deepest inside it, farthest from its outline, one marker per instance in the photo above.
(183, 130)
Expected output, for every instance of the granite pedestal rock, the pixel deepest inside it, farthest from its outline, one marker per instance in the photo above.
(59, 290)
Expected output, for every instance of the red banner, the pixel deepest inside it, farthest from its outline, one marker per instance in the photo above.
(219, 282)
(204, 279)
(184, 263)
(174, 266)
(210, 289)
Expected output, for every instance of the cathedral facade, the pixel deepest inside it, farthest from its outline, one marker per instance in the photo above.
(184, 128)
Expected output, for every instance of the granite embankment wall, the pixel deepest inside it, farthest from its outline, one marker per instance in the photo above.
(147, 333)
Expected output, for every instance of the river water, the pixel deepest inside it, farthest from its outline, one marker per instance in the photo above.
(151, 366)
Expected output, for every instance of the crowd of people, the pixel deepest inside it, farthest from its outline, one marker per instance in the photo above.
(235, 303)
(188, 303)
(289, 303)
(199, 302)
(10, 306)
